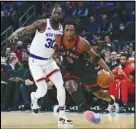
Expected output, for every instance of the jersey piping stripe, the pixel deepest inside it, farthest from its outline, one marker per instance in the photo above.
(73, 77)
(51, 73)
(41, 79)
(38, 57)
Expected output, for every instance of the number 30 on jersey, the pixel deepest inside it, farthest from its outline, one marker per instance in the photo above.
(50, 43)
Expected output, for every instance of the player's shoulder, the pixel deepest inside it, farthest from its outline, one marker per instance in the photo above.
(40, 22)
(83, 41)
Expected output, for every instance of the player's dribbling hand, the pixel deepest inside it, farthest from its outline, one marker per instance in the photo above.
(112, 74)
(13, 38)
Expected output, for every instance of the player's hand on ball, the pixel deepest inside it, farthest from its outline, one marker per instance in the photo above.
(113, 76)
(105, 78)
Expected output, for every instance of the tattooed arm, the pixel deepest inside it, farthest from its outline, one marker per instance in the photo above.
(39, 24)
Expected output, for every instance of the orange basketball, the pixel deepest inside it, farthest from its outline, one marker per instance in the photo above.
(104, 79)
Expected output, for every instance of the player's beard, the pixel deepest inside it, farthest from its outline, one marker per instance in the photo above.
(56, 21)
(123, 65)
(118, 61)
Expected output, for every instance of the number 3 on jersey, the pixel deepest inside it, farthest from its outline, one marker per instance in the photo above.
(50, 43)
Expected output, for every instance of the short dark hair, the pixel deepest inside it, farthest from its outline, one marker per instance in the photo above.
(56, 6)
(124, 54)
(69, 21)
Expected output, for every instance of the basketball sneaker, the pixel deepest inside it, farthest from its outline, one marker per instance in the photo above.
(64, 120)
(113, 109)
(34, 105)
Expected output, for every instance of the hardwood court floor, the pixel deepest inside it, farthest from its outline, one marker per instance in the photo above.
(48, 120)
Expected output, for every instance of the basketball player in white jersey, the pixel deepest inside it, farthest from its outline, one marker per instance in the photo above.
(41, 64)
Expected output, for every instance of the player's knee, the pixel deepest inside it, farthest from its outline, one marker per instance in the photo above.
(71, 86)
(57, 80)
(59, 84)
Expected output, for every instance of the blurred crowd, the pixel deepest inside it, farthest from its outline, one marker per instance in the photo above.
(109, 28)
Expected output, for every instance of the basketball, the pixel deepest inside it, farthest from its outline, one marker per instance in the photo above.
(104, 79)
(92, 117)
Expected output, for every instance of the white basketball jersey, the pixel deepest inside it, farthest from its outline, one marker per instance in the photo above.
(43, 43)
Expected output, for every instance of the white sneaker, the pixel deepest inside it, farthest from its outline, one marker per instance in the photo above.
(113, 109)
(64, 120)
(34, 104)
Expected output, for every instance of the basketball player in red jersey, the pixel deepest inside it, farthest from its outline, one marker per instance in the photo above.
(73, 49)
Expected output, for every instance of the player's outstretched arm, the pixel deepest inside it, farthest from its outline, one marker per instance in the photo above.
(27, 30)
(86, 47)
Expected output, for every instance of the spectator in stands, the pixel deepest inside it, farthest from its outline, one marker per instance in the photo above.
(81, 15)
(109, 43)
(95, 46)
(102, 9)
(10, 55)
(28, 86)
(107, 58)
(13, 55)
(94, 37)
(24, 71)
(92, 26)
(118, 58)
(24, 55)
(81, 11)
(12, 93)
(68, 8)
(124, 16)
(4, 11)
(84, 34)
(125, 32)
(113, 60)
(7, 5)
(130, 51)
(3, 78)
(74, 4)
(106, 26)
(122, 37)
(8, 50)
(18, 50)
(7, 20)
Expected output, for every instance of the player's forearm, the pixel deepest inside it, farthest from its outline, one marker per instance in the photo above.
(23, 31)
(103, 65)
(20, 31)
